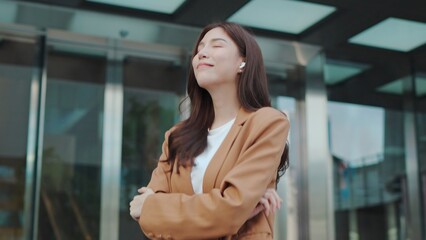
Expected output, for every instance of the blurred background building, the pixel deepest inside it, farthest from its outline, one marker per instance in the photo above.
(88, 88)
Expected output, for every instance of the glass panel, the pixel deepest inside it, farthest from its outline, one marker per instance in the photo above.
(72, 147)
(420, 81)
(367, 141)
(17, 62)
(152, 92)
(284, 91)
(368, 156)
(286, 219)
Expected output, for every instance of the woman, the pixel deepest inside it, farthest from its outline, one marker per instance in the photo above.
(218, 165)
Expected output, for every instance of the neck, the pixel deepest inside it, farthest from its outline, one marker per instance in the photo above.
(226, 106)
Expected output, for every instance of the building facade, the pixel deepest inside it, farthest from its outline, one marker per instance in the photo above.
(86, 96)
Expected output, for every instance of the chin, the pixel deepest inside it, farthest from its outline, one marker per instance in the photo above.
(203, 85)
(206, 82)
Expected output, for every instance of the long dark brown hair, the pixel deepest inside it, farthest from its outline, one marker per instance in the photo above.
(189, 138)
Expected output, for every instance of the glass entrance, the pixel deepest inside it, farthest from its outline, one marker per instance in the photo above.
(89, 170)
(69, 205)
(18, 67)
(153, 89)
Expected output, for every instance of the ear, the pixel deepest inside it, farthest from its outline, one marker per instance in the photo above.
(242, 65)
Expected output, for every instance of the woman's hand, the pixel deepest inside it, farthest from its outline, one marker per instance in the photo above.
(269, 203)
(137, 203)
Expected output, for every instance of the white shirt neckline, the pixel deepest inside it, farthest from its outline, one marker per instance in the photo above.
(215, 138)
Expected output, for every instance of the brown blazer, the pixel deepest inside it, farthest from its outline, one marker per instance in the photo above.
(238, 175)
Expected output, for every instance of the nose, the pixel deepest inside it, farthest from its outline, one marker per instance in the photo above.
(202, 53)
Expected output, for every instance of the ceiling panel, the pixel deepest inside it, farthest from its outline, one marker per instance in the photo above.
(394, 34)
(283, 16)
(163, 6)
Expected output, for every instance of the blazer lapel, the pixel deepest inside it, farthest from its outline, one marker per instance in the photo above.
(182, 182)
(210, 176)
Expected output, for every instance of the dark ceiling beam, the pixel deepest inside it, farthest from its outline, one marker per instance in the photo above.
(202, 12)
(362, 89)
(369, 55)
(370, 80)
(341, 27)
(419, 59)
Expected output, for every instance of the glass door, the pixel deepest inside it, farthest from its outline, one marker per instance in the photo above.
(70, 196)
(368, 140)
(420, 123)
(154, 84)
(19, 62)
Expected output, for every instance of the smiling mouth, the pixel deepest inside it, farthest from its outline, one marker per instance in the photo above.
(204, 65)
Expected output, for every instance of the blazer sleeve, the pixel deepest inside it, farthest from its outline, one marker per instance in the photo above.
(223, 211)
(160, 178)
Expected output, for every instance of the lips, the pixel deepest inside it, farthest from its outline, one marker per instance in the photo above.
(204, 65)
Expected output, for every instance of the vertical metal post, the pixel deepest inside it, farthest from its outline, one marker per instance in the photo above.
(353, 225)
(111, 148)
(35, 143)
(319, 160)
(392, 226)
(31, 148)
(414, 218)
(301, 167)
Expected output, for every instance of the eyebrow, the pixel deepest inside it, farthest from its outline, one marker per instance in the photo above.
(213, 40)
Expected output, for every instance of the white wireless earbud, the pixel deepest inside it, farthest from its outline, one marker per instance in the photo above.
(243, 64)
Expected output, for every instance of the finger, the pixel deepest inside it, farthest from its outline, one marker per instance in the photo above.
(273, 194)
(133, 215)
(273, 201)
(279, 200)
(258, 209)
(134, 212)
(142, 189)
(266, 205)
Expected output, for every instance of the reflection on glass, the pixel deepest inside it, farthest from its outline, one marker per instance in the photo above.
(286, 219)
(369, 168)
(152, 90)
(15, 79)
(72, 148)
(420, 87)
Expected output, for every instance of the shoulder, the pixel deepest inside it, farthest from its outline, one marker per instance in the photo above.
(266, 119)
(268, 114)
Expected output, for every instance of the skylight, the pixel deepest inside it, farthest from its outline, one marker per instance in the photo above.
(161, 6)
(394, 34)
(338, 71)
(7, 11)
(283, 16)
(397, 86)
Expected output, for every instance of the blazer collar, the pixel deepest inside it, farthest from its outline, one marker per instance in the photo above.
(183, 183)
(242, 116)
(212, 171)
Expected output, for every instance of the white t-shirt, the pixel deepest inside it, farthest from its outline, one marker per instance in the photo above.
(215, 138)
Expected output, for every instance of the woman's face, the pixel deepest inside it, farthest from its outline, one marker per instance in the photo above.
(217, 60)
